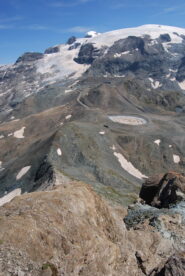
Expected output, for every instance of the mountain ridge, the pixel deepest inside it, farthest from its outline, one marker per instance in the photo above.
(85, 129)
(136, 76)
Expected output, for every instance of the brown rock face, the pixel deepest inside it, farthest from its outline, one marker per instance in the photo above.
(162, 190)
(175, 266)
(71, 231)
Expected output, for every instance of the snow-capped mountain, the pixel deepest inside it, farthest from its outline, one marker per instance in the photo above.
(107, 110)
(99, 88)
(134, 51)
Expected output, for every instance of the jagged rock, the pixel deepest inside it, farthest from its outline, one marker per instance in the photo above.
(165, 38)
(175, 266)
(162, 191)
(85, 55)
(128, 44)
(52, 50)
(169, 222)
(133, 55)
(29, 57)
(72, 231)
(74, 46)
(71, 40)
(180, 74)
(44, 177)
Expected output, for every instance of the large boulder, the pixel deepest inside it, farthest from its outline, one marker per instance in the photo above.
(71, 231)
(175, 266)
(162, 190)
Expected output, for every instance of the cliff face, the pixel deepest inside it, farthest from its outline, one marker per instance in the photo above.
(70, 230)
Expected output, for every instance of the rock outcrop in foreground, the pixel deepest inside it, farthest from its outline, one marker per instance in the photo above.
(174, 266)
(161, 191)
(71, 231)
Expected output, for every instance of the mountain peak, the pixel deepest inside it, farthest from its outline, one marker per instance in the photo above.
(91, 34)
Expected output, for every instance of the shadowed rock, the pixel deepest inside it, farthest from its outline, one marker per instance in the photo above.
(52, 50)
(175, 266)
(27, 57)
(161, 191)
(71, 40)
(71, 231)
(180, 74)
(87, 54)
(165, 38)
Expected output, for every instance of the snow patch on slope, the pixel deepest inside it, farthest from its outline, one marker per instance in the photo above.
(121, 54)
(127, 166)
(154, 84)
(182, 85)
(68, 91)
(59, 152)
(22, 172)
(157, 142)
(68, 117)
(19, 133)
(176, 158)
(173, 70)
(9, 196)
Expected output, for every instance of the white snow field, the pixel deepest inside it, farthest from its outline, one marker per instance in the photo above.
(128, 120)
(61, 65)
(107, 39)
(92, 34)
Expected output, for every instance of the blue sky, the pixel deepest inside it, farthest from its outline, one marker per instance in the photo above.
(34, 25)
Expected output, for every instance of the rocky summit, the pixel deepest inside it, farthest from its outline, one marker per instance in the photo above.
(92, 156)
